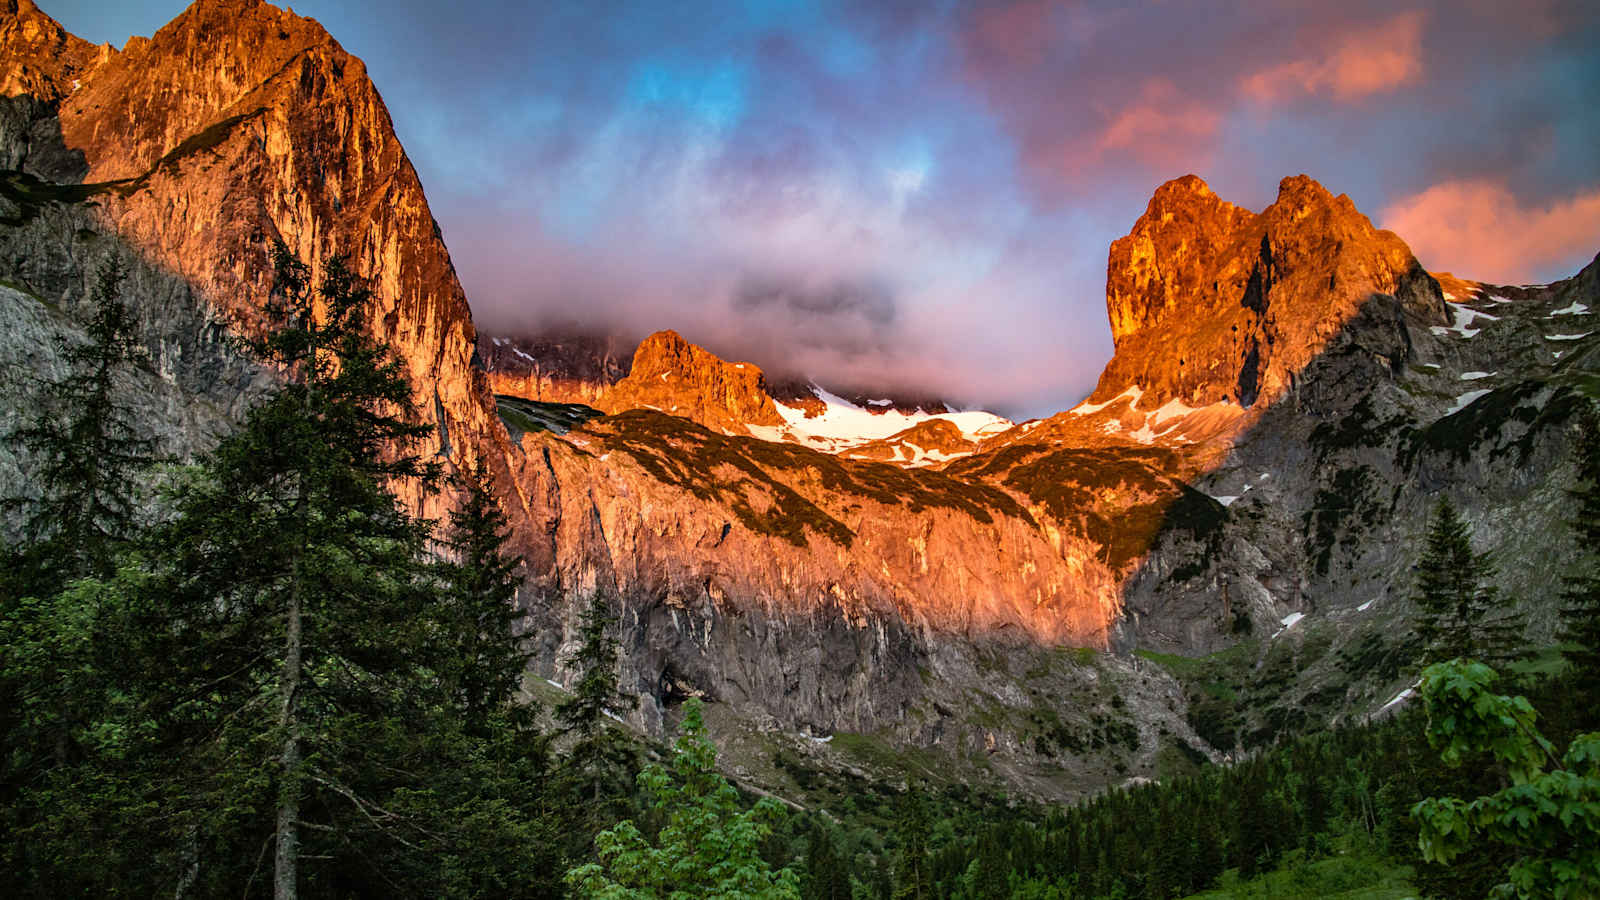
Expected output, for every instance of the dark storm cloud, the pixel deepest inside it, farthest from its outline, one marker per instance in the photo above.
(922, 194)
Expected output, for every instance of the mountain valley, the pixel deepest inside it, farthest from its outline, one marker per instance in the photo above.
(1212, 552)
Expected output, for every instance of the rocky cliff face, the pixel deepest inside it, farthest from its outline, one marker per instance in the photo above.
(1209, 302)
(555, 367)
(239, 124)
(676, 377)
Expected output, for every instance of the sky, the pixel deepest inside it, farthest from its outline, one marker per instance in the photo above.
(919, 196)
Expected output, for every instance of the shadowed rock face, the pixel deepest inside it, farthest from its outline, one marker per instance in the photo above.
(1209, 302)
(555, 367)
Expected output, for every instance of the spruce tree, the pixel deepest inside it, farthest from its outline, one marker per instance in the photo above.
(1580, 611)
(598, 761)
(706, 847)
(89, 450)
(321, 684)
(1457, 612)
(479, 584)
(913, 880)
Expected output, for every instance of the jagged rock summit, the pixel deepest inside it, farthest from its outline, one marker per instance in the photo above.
(674, 376)
(238, 124)
(1210, 302)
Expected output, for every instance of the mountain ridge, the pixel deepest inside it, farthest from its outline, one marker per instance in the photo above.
(1277, 466)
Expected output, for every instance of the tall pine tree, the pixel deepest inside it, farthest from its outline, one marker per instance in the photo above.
(90, 453)
(1458, 614)
(327, 693)
(480, 581)
(599, 760)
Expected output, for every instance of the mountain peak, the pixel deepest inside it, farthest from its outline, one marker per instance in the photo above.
(1210, 302)
(674, 376)
(42, 58)
(1185, 226)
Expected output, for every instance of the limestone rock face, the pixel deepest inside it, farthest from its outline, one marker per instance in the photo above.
(677, 377)
(555, 367)
(1209, 302)
(43, 59)
(238, 124)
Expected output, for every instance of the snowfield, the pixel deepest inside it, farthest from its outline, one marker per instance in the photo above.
(844, 425)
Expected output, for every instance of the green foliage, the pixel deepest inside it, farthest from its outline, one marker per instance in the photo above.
(707, 846)
(90, 453)
(1550, 811)
(281, 671)
(479, 587)
(1458, 615)
(600, 762)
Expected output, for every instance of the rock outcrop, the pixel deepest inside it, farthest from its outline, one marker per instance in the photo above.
(674, 376)
(555, 367)
(1209, 302)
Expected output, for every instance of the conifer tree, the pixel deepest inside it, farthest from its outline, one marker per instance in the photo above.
(707, 845)
(1457, 612)
(90, 452)
(329, 697)
(480, 584)
(598, 762)
(1580, 612)
(913, 880)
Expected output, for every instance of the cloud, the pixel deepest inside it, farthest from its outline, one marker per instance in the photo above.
(1480, 229)
(1348, 65)
(924, 191)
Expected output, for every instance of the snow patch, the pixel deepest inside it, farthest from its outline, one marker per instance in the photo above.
(499, 342)
(1567, 337)
(1474, 376)
(1401, 697)
(523, 355)
(1576, 309)
(553, 683)
(819, 740)
(1084, 409)
(1366, 606)
(1291, 618)
(843, 424)
(1228, 501)
(880, 402)
(1464, 400)
(1464, 316)
(1171, 409)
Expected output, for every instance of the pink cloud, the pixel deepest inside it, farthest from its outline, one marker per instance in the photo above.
(1479, 229)
(1350, 65)
(1159, 117)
